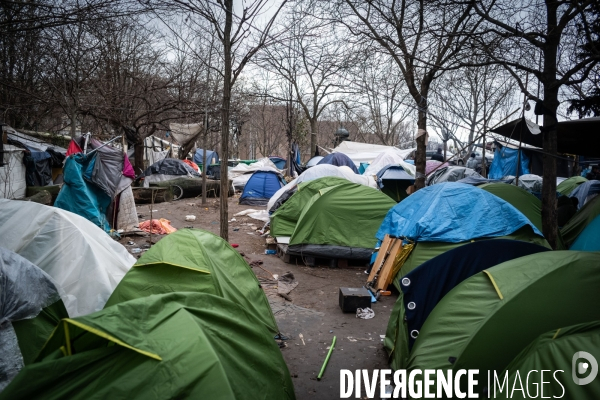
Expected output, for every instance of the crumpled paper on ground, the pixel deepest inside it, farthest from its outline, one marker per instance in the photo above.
(365, 313)
(159, 226)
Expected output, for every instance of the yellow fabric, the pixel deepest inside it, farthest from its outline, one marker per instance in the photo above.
(401, 257)
(494, 283)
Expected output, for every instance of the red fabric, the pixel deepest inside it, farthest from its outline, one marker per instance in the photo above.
(191, 164)
(73, 148)
(159, 226)
(128, 168)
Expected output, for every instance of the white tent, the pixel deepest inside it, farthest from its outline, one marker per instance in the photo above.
(319, 171)
(366, 153)
(81, 258)
(389, 157)
(12, 173)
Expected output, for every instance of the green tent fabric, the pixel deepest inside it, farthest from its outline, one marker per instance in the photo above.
(193, 260)
(178, 345)
(425, 251)
(485, 321)
(523, 201)
(346, 216)
(568, 185)
(554, 351)
(283, 221)
(580, 220)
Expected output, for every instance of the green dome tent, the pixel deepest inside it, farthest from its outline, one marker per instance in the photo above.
(522, 200)
(30, 308)
(193, 260)
(178, 345)
(284, 220)
(341, 222)
(580, 221)
(485, 321)
(568, 185)
(554, 350)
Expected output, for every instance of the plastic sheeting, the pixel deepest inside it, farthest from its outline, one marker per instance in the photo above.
(107, 169)
(212, 157)
(505, 163)
(170, 166)
(12, 174)
(24, 291)
(367, 153)
(319, 171)
(339, 160)
(389, 157)
(451, 173)
(452, 212)
(585, 192)
(84, 261)
(530, 182)
(264, 164)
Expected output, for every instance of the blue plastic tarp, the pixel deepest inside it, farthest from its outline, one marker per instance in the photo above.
(210, 154)
(505, 163)
(278, 161)
(452, 212)
(588, 240)
(81, 197)
(339, 159)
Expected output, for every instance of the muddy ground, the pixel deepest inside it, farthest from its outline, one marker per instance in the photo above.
(313, 310)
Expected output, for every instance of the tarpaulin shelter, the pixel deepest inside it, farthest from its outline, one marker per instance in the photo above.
(285, 218)
(424, 287)
(13, 184)
(320, 171)
(339, 160)
(212, 157)
(477, 181)
(580, 221)
(568, 185)
(340, 222)
(589, 238)
(578, 136)
(393, 180)
(167, 169)
(554, 351)
(84, 261)
(530, 182)
(586, 191)
(261, 186)
(241, 173)
(431, 165)
(278, 161)
(30, 308)
(486, 320)
(313, 161)
(366, 152)
(178, 345)
(386, 158)
(452, 173)
(193, 260)
(505, 163)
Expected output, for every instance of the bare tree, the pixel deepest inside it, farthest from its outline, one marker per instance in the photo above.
(516, 36)
(422, 37)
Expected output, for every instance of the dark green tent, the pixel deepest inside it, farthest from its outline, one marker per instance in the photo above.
(554, 350)
(30, 308)
(522, 200)
(178, 345)
(568, 185)
(580, 220)
(193, 260)
(341, 222)
(485, 321)
(283, 221)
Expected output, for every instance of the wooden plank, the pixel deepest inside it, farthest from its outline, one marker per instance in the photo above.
(383, 249)
(385, 276)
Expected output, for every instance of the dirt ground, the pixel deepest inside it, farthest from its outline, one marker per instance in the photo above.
(313, 310)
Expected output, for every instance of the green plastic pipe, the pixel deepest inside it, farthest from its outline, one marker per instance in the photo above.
(326, 359)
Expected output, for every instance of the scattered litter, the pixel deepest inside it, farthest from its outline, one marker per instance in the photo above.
(191, 204)
(189, 227)
(302, 338)
(250, 233)
(190, 218)
(234, 245)
(275, 276)
(236, 229)
(130, 243)
(136, 250)
(232, 220)
(253, 227)
(353, 339)
(146, 246)
(270, 251)
(365, 313)
(281, 336)
(159, 226)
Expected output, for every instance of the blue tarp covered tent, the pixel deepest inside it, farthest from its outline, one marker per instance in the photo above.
(393, 180)
(261, 186)
(505, 163)
(339, 159)
(589, 239)
(452, 212)
(80, 196)
(212, 157)
(278, 161)
(586, 189)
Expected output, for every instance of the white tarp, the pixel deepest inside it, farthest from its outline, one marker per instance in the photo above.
(12, 174)
(366, 153)
(389, 157)
(81, 258)
(319, 171)
(183, 133)
(263, 164)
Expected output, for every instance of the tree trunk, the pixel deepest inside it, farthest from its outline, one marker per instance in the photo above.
(138, 149)
(420, 155)
(313, 137)
(224, 214)
(204, 165)
(73, 117)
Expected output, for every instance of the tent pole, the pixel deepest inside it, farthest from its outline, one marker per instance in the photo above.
(521, 132)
